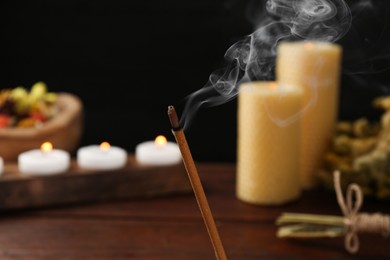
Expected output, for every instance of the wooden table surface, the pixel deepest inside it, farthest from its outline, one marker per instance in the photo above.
(172, 227)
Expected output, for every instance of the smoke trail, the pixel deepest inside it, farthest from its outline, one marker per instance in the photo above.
(313, 84)
(253, 57)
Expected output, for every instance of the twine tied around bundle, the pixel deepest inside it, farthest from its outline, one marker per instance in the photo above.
(356, 222)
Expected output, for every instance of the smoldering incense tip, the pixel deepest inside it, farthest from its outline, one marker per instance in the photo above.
(173, 118)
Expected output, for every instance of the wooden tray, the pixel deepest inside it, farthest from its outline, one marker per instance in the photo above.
(78, 185)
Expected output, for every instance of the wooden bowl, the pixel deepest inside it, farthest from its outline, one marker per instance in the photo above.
(63, 131)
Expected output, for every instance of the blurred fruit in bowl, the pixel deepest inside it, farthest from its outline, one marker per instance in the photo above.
(29, 118)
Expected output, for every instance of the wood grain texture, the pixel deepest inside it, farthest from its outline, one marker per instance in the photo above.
(172, 227)
(78, 185)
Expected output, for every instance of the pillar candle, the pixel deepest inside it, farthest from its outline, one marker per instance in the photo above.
(268, 143)
(314, 67)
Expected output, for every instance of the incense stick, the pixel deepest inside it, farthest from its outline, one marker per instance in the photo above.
(196, 184)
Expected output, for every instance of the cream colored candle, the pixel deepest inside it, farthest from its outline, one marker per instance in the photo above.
(268, 143)
(314, 66)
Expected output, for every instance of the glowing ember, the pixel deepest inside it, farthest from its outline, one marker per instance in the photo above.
(309, 46)
(272, 85)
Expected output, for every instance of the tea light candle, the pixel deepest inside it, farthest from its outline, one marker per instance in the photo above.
(158, 152)
(1, 165)
(101, 157)
(44, 161)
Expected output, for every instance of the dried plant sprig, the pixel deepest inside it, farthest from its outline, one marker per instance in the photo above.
(330, 220)
(310, 231)
(310, 226)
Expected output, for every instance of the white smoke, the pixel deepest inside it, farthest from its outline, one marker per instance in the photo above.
(253, 57)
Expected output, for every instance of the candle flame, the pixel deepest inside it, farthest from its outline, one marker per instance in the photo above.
(272, 85)
(160, 140)
(309, 45)
(46, 147)
(105, 146)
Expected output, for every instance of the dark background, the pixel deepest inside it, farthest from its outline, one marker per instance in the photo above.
(129, 60)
